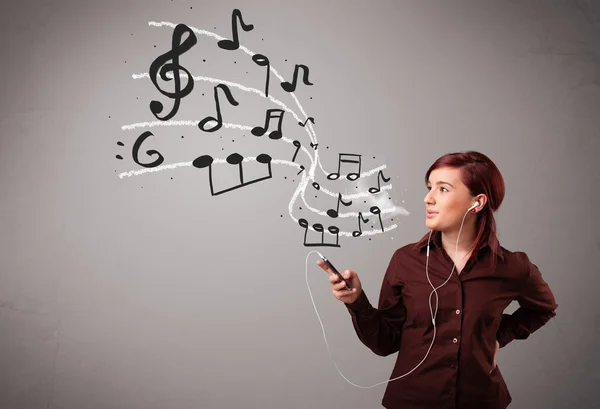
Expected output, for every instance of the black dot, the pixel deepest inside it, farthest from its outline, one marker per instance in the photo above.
(182, 136)
(310, 97)
(286, 60)
(171, 178)
(365, 201)
(246, 72)
(315, 197)
(154, 45)
(235, 62)
(281, 215)
(202, 94)
(327, 147)
(369, 238)
(190, 8)
(109, 116)
(261, 38)
(203, 60)
(285, 177)
(373, 157)
(300, 208)
(390, 198)
(222, 149)
(137, 97)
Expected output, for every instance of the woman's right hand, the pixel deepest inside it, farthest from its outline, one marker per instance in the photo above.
(338, 287)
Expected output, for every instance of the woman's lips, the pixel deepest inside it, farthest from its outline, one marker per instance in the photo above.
(431, 214)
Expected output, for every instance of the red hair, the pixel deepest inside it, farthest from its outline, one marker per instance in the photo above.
(481, 176)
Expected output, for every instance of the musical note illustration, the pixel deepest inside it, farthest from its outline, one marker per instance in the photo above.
(334, 213)
(378, 188)
(350, 176)
(358, 232)
(319, 228)
(263, 61)
(233, 159)
(292, 87)
(235, 44)
(271, 113)
(219, 118)
(376, 210)
(301, 170)
(163, 64)
(316, 186)
(297, 144)
(136, 148)
(314, 145)
(310, 118)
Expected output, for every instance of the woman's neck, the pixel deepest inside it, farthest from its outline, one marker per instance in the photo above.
(466, 239)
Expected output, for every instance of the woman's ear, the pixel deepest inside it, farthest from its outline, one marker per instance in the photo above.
(482, 199)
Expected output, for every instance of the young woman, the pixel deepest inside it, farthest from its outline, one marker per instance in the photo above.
(442, 300)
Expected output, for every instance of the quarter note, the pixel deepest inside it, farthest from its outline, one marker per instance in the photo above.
(378, 188)
(310, 118)
(219, 119)
(169, 63)
(233, 159)
(235, 44)
(316, 185)
(297, 144)
(350, 176)
(271, 113)
(334, 213)
(377, 211)
(358, 232)
(319, 229)
(301, 170)
(292, 87)
(314, 145)
(263, 61)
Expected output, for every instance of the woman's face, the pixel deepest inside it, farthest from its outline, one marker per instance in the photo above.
(447, 200)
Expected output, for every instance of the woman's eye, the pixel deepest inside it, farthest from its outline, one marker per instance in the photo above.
(444, 189)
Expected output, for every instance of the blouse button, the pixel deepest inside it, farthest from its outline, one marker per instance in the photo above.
(458, 311)
(455, 340)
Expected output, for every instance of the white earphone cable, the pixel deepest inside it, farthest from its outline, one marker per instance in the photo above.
(433, 315)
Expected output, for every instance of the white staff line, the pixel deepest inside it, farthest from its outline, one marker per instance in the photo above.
(251, 159)
(242, 127)
(285, 139)
(234, 85)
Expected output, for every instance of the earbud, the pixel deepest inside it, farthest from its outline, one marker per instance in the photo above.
(474, 206)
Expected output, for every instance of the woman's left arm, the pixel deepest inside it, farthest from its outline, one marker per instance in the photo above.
(537, 307)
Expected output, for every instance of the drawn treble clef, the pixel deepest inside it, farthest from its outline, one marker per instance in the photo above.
(164, 65)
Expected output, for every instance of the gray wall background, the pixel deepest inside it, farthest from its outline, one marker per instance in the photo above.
(148, 292)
